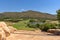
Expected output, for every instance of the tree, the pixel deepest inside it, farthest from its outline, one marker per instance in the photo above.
(58, 16)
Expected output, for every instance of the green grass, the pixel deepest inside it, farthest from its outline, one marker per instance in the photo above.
(22, 25)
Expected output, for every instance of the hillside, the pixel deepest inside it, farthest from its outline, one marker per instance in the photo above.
(27, 14)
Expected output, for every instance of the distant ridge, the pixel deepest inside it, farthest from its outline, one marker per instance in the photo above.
(28, 14)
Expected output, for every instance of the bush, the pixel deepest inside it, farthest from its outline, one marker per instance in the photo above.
(37, 25)
(46, 26)
(12, 20)
(22, 25)
(33, 25)
(33, 20)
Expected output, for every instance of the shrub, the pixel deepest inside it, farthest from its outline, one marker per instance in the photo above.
(12, 20)
(32, 20)
(31, 25)
(58, 17)
(46, 26)
(37, 25)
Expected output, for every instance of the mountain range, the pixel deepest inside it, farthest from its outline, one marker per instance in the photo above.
(27, 14)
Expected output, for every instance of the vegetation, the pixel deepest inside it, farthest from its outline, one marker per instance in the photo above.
(46, 26)
(30, 20)
(32, 24)
(13, 16)
(58, 16)
(22, 25)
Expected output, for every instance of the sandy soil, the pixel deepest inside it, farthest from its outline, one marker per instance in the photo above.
(30, 35)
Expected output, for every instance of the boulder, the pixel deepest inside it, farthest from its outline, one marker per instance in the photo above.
(4, 31)
(54, 31)
(57, 32)
(51, 30)
(12, 29)
(2, 34)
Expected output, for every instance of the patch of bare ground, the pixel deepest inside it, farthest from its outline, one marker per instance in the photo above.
(32, 35)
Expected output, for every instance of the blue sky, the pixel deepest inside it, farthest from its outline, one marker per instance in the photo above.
(48, 6)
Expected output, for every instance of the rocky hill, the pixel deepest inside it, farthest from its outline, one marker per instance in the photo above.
(27, 14)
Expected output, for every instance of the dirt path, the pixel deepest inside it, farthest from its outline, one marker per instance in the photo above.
(31, 36)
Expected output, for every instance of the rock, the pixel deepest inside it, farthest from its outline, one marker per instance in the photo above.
(4, 31)
(51, 30)
(2, 34)
(12, 29)
(57, 32)
(54, 31)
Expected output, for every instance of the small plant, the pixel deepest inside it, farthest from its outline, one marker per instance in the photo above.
(58, 17)
(46, 26)
(33, 24)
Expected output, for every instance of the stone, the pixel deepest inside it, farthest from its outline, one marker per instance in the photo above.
(4, 31)
(51, 30)
(54, 31)
(12, 29)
